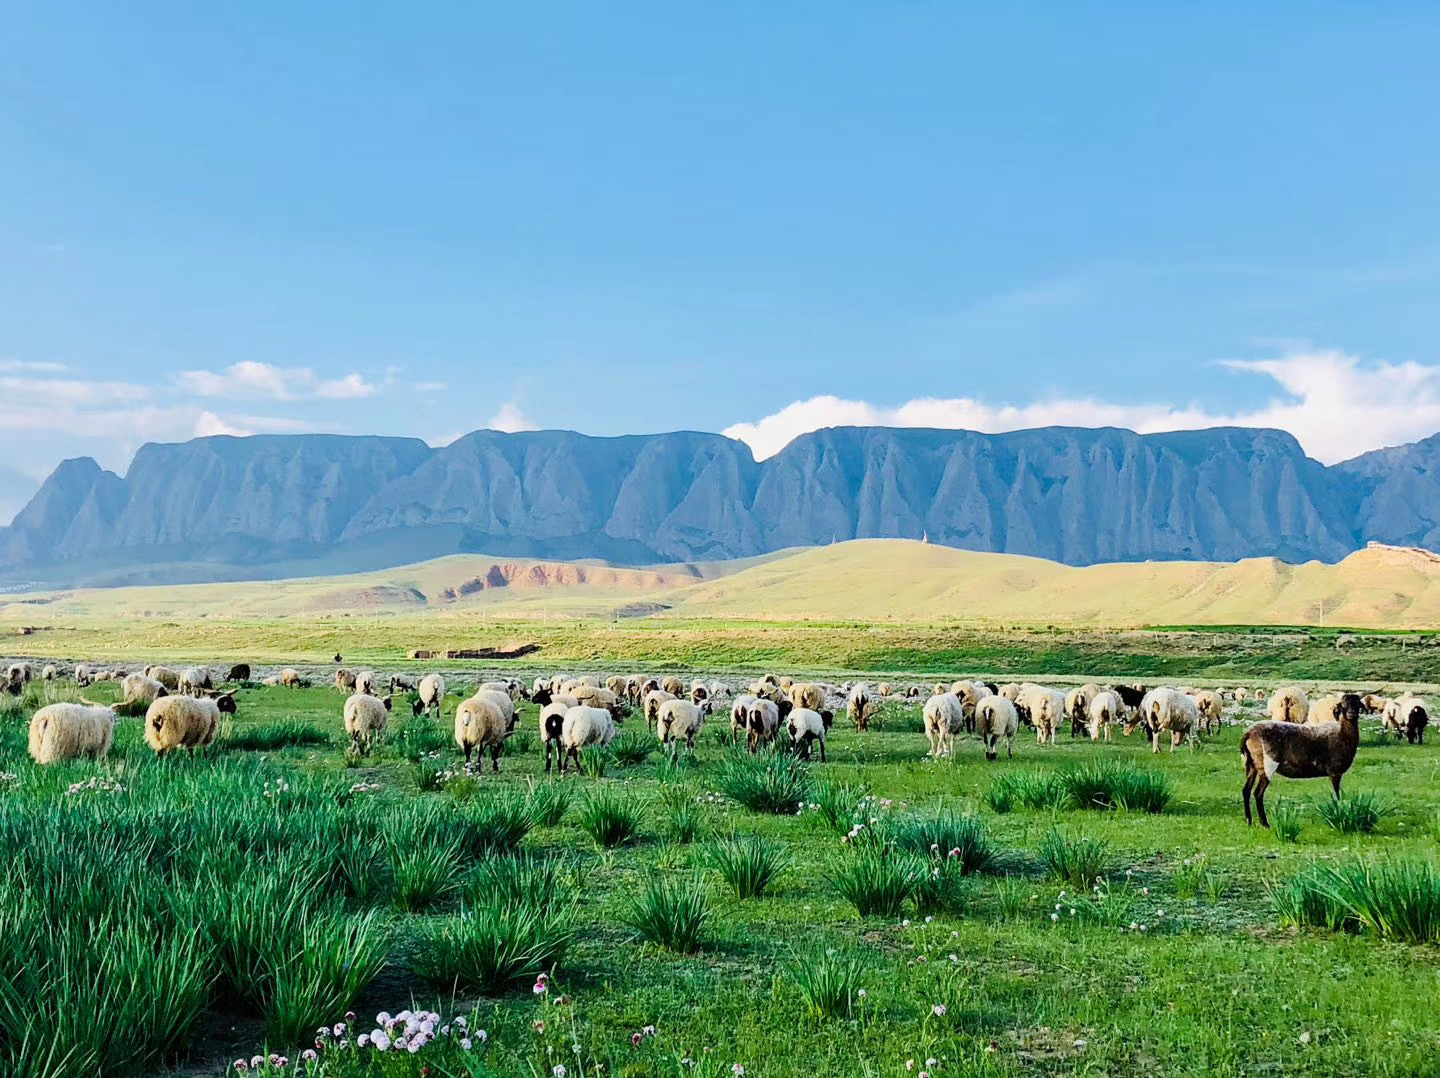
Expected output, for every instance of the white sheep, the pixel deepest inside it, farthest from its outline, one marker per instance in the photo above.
(680, 720)
(185, 722)
(139, 689)
(163, 674)
(654, 700)
(1210, 706)
(995, 717)
(365, 682)
(552, 723)
(1046, 708)
(1289, 704)
(431, 690)
(366, 718)
(740, 715)
(1077, 706)
(585, 726)
(858, 705)
(83, 675)
(944, 717)
(71, 731)
(808, 728)
(699, 692)
(1165, 709)
(1106, 710)
(50, 673)
(762, 721)
(481, 724)
(195, 681)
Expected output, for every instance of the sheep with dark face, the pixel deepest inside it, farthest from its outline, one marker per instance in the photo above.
(431, 695)
(807, 728)
(944, 717)
(859, 705)
(1165, 710)
(995, 718)
(763, 718)
(1298, 751)
(680, 720)
(365, 720)
(740, 716)
(1077, 707)
(1408, 716)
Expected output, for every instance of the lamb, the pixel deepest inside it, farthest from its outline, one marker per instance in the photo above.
(807, 695)
(762, 719)
(196, 681)
(1209, 706)
(480, 725)
(289, 678)
(552, 724)
(858, 705)
(674, 686)
(1165, 709)
(163, 674)
(1046, 708)
(680, 719)
(1105, 711)
(740, 715)
(584, 726)
(807, 728)
(995, 718)
(1288, 705)
(238, 672)
(188, 722)
(139, 689)
(654, 700)
(1077, 706)
(365, 719)
(1298, 751)
(944, 716)
(69, 731)
(431, 690)
(365, 683)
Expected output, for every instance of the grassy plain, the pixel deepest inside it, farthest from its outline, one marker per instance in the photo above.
(1214, 984)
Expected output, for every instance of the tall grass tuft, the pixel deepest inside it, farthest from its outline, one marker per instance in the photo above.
(1079, 860)
(492, 946)
(670, 914)
(1026, 789)
(273, 736)
(1111, 784)
(548, 802)
(839, 804)
(876, 880)
(524, 879)
(748, 865)
(1287, 820)
(770, 781)
(1398, 898)
(1358, 814)
(829, 982)
(595, 760)
(954, 837)
(634, 747)
(609, 817)
(424, 875)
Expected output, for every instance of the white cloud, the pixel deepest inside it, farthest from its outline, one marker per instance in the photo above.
(249, 379)
(12, 366)
(510, 419)
(1334, 404)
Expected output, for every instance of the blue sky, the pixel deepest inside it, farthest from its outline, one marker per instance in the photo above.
(756, 217)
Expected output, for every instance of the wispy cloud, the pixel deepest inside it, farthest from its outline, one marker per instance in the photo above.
(510, 419)
(264, 381)
(1336, 405)
(17, 366)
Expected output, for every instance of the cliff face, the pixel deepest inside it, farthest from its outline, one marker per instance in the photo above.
(1070, 494)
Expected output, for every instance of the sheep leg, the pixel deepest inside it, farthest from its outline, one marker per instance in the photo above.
(822, 750)
(547, 756)
(1262, 781)
(1250, 777)
(495, 758)
(1009, 748)
(1335, 782)
(468, 750)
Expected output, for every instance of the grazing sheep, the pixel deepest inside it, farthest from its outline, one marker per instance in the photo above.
(1077, 706)
(238, 672)
(654, 700)
(70, 731)
(481, 724)
(139, 689)
(431, 690)
(104, 675)
(944, 717)
(196, 681)
(884, 689)
(365, 682)
(995, 718)
(1011, 692)
(807, 695)
(50, 673)
(807, 728)
(1105, 711)
(163, 674)
(1130, 695)
(763, 718)
(1288, 705)
(185, 722)
(584, 726)
(681, 720)
(15, 679)
(501, 701)
(402, 683)
(1240, 695)
(594, 696)
(1165, 709)
(365, 719)
(289, 678)
(1046, 708)
(914, 692)
(699, 692)
(616, 684)
(969, 693)
(859, 705)
(515, 689)
(674, 686)
(83, 675)
(719, 690)
(1209, 706)
(345, 681)
(1409, 715)
(1298, 751)
(740, 715)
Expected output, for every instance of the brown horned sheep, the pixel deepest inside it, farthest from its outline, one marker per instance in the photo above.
(1298, 751)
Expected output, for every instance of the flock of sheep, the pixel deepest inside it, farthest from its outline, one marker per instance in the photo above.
(1301, 737)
